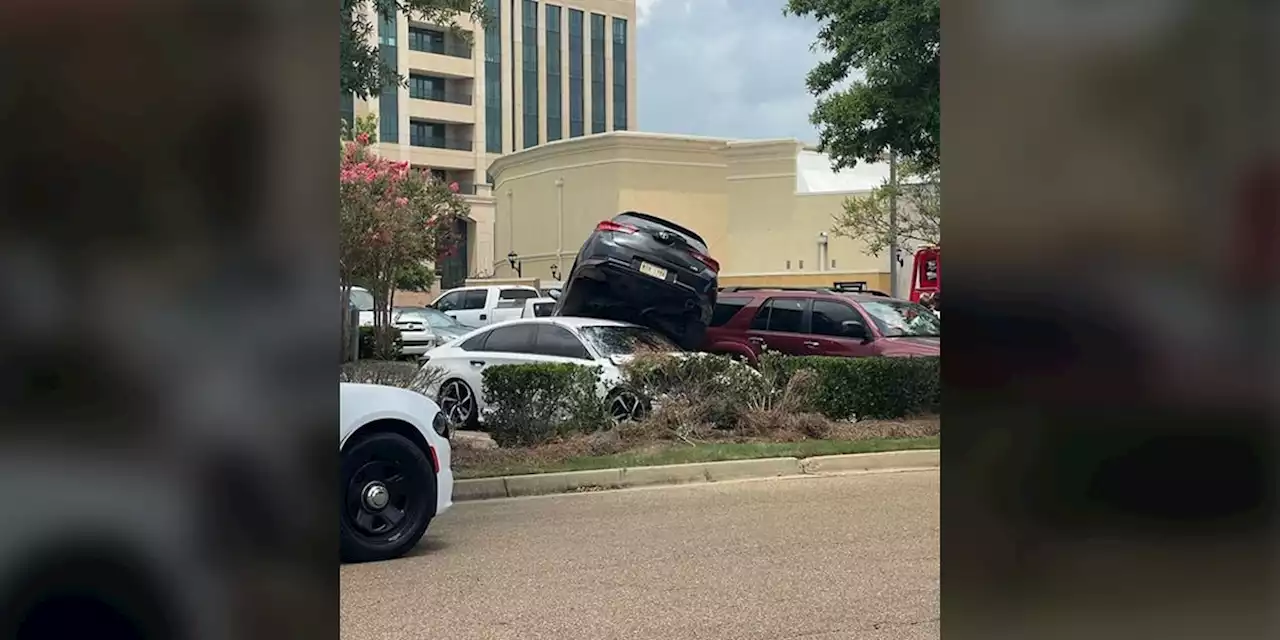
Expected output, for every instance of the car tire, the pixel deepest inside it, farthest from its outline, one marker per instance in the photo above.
(636, 406)
(463, 416)
(388, 497)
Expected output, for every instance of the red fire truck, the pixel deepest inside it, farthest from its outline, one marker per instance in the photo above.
(925, 272)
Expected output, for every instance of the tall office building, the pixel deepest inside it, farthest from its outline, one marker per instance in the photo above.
(544, 71)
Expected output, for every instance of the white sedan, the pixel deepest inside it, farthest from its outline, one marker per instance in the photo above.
(585, 341)
(395, 469)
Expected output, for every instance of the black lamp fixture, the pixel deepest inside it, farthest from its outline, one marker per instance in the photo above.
(514, 260)
(555, 271)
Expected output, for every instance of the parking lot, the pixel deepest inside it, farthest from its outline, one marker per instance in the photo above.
(853, 556)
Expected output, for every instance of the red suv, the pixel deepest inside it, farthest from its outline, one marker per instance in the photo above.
(819, 322)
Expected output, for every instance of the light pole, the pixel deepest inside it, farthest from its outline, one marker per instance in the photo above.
(894, 289)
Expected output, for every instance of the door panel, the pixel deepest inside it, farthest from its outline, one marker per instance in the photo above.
(779, 326)
(831, 336)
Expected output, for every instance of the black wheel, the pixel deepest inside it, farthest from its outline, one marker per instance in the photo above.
(626, 405)
(458, 402)
(388, 497)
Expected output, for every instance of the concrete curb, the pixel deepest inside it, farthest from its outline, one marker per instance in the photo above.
(598, 479)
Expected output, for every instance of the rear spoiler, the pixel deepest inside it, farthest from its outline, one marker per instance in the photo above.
(663, 221)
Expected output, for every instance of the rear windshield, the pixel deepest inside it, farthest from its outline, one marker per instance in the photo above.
(626, 341)
(648, 222)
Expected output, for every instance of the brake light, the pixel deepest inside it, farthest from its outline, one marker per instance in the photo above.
(609, 225)
(707, 260)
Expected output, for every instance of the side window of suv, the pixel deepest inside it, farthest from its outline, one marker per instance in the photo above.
(474, 299)
(829, 318)
(781, 314)
(726, 309)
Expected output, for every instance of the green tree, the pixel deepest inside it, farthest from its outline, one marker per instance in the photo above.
(918, 192)
(362, 70)
(895, 44)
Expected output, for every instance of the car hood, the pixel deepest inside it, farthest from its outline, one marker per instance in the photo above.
(907, 346)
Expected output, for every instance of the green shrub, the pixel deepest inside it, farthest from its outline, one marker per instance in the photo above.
(369, 345)
(405, 375)
(535, 403)
(862, 388)
(708, 389)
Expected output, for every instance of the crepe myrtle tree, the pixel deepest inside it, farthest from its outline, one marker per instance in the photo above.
(393, 218)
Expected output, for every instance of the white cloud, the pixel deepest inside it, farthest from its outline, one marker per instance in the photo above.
(711, 67)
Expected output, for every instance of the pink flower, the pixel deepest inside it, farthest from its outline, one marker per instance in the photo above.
(402, 201)
(453, 186)
(362, 138)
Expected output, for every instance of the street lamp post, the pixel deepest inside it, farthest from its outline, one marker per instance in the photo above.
(514, 260)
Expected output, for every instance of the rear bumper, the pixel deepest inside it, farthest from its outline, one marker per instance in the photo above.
(612, 258)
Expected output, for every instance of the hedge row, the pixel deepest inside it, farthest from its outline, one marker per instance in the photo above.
(532, 403)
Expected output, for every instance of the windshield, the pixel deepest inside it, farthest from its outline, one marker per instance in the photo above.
(901, 319)
(436, 319)
(626, 341)
(363, 300)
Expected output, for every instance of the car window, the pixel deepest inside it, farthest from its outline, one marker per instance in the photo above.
(516, 338)
(440, 320)
(557, 341)
(474, 299)
(726, 308)
(624, 341)
(362, 299)
(543, 309)
(829, 317)
(476, 342)
(514, 298)
(451, 301)
(781, 314)
(899, 318)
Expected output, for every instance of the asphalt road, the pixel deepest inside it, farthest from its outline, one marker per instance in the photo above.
(817, 558)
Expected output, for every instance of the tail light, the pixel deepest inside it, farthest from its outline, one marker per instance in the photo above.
(609, 225)
(707, 260)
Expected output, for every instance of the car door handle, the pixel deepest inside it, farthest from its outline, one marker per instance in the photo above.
(477, 363)
(811, 343)
(756, 340)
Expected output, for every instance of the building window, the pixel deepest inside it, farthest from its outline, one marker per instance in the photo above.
(347, 111)
(555, 116)
(529, 19)
(577, 105)
(426, 87)
(493, 79)
(426, 40)
(599, 117)
(427, 134)
(388, 105)
(619, 74)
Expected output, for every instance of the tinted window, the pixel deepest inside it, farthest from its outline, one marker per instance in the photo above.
(543, 309)
(450, 302)
(514, 298)
(726, 308)
(475, 343)
(513, 339)
(474, 299)
(557, 341)
(785, 314)
(829, 317)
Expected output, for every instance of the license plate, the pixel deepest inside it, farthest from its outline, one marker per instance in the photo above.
(653, 270)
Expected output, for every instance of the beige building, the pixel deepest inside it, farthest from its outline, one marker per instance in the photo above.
(764, 207)
(545, 71)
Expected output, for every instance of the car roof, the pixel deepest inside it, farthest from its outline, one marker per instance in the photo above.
(795, 292)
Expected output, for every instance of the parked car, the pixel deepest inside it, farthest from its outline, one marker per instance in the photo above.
(481, 306)
(538, 307)
(395, 469)
(585, 341)
(643, 269)
(819, 322)
(423, 329)
(362, 300)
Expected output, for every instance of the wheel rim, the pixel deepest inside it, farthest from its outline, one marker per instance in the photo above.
(625, 407)
(455, 400)
(378, 498)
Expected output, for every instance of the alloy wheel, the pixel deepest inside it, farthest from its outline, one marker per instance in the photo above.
(456, 401)
(625, 407)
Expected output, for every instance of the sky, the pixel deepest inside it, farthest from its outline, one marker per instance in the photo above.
(708, 69)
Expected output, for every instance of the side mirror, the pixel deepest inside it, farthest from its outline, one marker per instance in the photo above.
(854, 329)
(554, 294)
